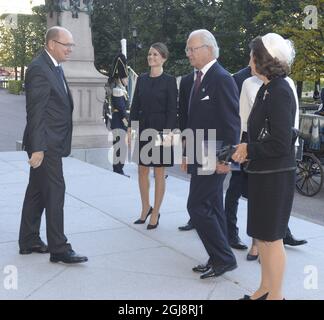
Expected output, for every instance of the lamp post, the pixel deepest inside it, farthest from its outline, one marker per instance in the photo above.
(34, 46)
(135, 45)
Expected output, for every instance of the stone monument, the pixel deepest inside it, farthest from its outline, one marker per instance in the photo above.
(85, 82)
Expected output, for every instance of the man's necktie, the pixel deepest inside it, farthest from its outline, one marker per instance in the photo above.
(197, 81)
(61, 74)
(194, 88)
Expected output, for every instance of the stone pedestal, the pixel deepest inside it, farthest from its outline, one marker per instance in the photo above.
(85, 82)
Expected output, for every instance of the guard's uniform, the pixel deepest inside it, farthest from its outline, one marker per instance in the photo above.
(119, 104)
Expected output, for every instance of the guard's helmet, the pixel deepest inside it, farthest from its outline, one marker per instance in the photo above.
(119, 69)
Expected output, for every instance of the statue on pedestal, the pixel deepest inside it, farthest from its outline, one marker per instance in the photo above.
(86, 83)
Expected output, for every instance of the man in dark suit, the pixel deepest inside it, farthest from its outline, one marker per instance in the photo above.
(185, 86)
(214, 104)
(236, 184)
(47, 138)
(231, 200)
(234, 190)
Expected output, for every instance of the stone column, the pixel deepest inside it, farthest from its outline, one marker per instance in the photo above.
(85, 82)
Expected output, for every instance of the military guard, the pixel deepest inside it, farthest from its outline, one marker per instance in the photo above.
(119, 105)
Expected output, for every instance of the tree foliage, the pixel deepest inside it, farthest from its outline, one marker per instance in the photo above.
(287, 18)
(233, 22)
(168, 21)
(19, 45)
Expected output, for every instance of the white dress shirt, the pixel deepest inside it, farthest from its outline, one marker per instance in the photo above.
(54, 61)
(56, 65)
(205, 69)
(249, 91)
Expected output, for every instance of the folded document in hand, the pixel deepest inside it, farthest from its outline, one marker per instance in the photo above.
(214, 151)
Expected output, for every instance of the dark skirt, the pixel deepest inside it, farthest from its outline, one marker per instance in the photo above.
(152, 155)
(270, 202)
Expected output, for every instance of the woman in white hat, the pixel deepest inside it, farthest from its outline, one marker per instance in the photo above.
(270, 157)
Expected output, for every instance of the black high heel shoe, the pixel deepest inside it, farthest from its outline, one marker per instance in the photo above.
(153, 226)
(246, 297)
(264, 297)
(140, 221)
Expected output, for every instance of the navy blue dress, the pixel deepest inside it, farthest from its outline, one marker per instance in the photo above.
(154, 106)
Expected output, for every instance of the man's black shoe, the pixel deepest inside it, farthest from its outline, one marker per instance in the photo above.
(238, 244)
(68, 257)
(122, 173)
(186, 227)
(291, 241)
(218, 271)
(39, 248)
(201, 267)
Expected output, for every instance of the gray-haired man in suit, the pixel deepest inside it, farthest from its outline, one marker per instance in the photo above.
(214, 104)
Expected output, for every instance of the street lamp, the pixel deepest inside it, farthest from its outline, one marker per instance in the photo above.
(34, 44)
(135, 45)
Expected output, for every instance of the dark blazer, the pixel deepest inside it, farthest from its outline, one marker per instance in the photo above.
(241, 76)
(154, 102)
(49, 109)
(220, 111)
(184, 96)
(276, 102)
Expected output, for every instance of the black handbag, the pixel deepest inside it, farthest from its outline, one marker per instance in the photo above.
(265, 132)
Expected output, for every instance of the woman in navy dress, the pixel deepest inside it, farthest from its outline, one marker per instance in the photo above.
(154, 106)
(271, 166)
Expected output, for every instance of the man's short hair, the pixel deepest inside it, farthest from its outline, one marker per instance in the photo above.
(52, 34)
(207, 39)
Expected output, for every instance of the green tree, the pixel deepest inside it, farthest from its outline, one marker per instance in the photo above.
(171, 21)
(287, 18)
(234, 30)
(18, 46)
(234, 23)
(106, 20)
